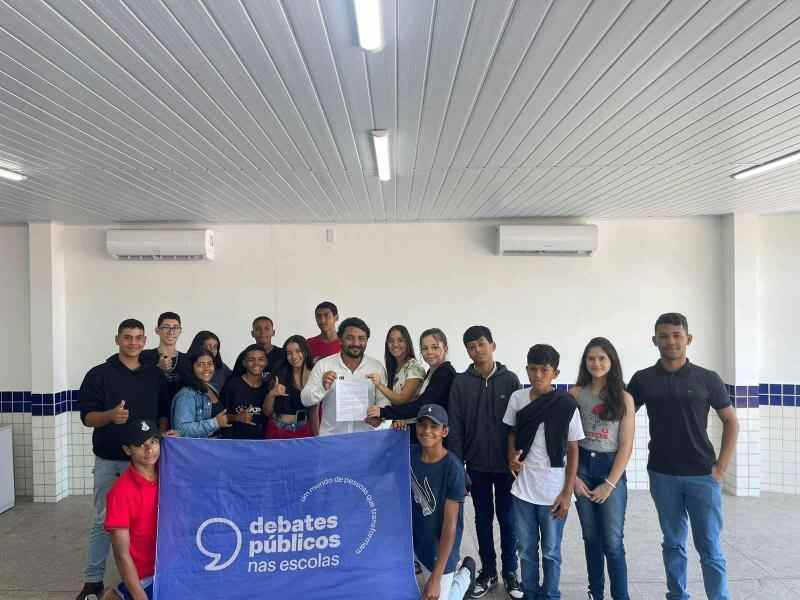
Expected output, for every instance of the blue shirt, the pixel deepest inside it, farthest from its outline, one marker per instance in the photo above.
(432, 484)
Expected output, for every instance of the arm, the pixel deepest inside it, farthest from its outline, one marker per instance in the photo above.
(313, 391)
(404, 396)
(455, 437)
(432, 587)
(437, 392)
(183, 417)
(514, 464)
(121, 543)
(730, 431)
(624, 450)
(564, 500)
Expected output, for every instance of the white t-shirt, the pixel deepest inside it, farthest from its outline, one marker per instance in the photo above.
(538, 482)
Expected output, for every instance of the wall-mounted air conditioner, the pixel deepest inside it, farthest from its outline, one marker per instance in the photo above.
(548, 240)
(160, 244)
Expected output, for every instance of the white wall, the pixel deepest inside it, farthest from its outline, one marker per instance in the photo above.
(779, 295)
(421, 275)
(15, 351)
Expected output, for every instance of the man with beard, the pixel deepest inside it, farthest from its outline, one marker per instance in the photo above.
(349, 363)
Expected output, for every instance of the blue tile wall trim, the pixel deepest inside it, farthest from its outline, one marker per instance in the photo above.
(39, 405)
(764, 394)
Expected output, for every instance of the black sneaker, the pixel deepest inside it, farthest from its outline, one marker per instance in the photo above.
(469, 564)
(512, 586)
(90, 591)
(484, 583)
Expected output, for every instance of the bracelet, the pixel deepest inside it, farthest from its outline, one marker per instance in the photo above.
(613, 487)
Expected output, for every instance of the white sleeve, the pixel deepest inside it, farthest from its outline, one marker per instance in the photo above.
(312, 392)
(575, 432)
(510, 418)
(380, 399)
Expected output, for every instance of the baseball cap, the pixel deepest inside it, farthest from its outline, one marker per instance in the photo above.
(434, 412)
(138, 431)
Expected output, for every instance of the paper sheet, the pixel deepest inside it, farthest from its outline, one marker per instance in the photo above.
(352, 399)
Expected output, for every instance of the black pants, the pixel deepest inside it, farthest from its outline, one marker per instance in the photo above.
(486, 506)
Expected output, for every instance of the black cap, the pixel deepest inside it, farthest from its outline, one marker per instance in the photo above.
(434, 412)
(138, 431)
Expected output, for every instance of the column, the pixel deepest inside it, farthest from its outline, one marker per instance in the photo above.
(50, 403)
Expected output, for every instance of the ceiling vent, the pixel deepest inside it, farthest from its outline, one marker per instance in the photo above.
(160, 244)
(546, 240)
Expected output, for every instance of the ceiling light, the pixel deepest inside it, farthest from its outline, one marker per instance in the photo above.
(380, 140)
(768, 166)
(6, 174)
(369, 22)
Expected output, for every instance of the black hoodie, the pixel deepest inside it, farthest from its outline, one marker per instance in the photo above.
(477, 433)
(144, 390)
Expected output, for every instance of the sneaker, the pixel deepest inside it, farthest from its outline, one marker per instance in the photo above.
(484, 583)
(469, 564)
(512, 586)
(90, 591)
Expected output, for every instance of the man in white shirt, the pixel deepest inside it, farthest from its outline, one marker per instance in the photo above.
(349, 363)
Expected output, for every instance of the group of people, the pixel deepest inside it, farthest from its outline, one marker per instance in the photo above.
(524, 454)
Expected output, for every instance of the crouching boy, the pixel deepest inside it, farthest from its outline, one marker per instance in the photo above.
(438, 486)
(132, 512)
(545, 426)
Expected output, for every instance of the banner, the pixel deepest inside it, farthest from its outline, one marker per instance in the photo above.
(317, 518)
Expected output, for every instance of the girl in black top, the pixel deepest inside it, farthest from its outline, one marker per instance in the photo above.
(287, 417)
(244, 393)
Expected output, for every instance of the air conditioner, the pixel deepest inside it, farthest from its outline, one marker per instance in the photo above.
(160, 244)
(548, 240)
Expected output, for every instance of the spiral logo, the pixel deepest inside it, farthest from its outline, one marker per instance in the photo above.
(216, 563)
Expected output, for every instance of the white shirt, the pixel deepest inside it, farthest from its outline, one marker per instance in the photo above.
(313, 393)
(538, 482)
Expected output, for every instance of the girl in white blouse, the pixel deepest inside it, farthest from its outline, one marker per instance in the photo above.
(405, 373)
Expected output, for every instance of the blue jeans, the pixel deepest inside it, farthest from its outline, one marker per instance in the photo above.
(486, 506)
(696, 500)
(530, 522)
(106, 473)
(602, 526)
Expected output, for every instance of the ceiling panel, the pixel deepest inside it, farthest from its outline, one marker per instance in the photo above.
(260, 110)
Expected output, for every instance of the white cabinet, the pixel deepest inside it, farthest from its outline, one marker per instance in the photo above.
(6, 469)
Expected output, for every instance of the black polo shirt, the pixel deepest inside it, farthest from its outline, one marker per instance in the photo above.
(678, 403)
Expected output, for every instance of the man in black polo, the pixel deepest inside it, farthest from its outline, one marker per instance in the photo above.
(685, 474)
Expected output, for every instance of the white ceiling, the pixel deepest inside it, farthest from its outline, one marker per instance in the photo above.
(259, 110)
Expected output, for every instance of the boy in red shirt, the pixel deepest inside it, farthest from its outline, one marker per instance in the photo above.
(132, 512)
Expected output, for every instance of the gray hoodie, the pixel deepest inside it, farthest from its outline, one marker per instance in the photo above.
(477, 434)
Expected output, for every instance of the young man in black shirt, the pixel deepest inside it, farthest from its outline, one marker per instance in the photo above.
(685, 475)
(173, 364)
(263, 331)
(120, 389)
(478, 400)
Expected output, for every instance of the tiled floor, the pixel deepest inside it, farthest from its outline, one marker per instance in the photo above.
(42, 549)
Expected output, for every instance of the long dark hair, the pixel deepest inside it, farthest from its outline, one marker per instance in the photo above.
(192, 379)
(614, 391)
(200, 339)
(239, 368)
(308, 360)
(391, 362)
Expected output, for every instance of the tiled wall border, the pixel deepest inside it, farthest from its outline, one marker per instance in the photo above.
(39, 405)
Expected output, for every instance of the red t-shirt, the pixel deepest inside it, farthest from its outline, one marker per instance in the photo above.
(132, 504)
(320, 348)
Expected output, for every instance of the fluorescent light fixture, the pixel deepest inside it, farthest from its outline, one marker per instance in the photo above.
(768, 166)
(380, 140)
(369, 21)
(6, 174)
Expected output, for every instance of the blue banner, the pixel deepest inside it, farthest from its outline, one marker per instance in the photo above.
(316, 518)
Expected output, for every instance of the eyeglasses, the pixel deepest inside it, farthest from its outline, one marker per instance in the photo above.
(170, 328)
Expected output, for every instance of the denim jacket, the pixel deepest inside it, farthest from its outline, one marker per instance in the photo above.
(191, 414)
